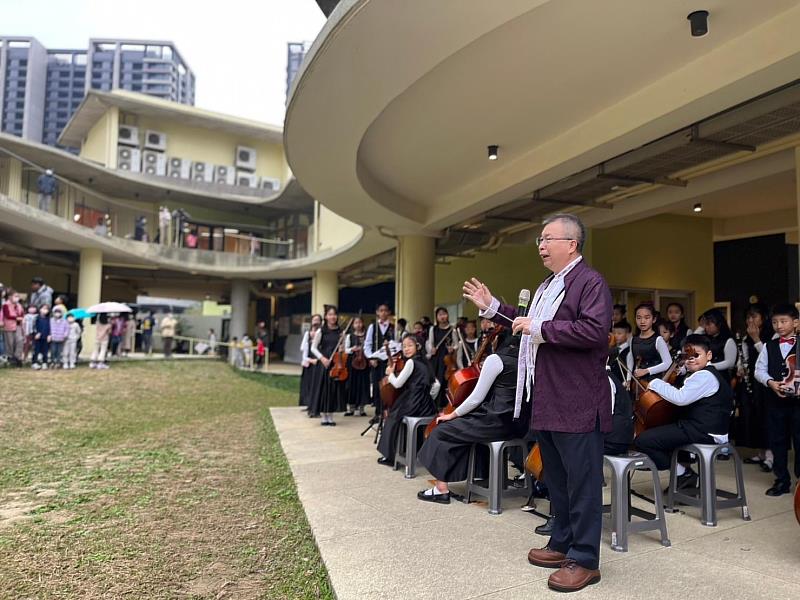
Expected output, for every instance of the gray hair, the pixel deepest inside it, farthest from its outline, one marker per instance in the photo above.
(578, 232)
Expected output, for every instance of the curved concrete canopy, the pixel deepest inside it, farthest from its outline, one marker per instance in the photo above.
(122, 184)
(389, 121)
(45, 231)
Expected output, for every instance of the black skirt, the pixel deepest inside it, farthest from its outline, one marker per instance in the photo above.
(317, 374)
(750, 425)
(305, 382)
(358, 387)
(446, 452)
(332, 398)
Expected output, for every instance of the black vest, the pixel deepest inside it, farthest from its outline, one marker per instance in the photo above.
(614, 365)
(646, 349)
(378, 338)
(776, 364)
(718, 353)
(329, 340)
(622, 419)
(711, 414)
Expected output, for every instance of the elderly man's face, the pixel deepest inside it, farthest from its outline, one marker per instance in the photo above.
(557, 246)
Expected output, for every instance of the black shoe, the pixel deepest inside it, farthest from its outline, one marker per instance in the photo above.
(688, 480)
(437, 498)
(385, 461)
(331, 424)
(545, 528)
(723, 456)
(753, 460)
(778, 489)
(362, 414)
(349, 413)
(324, 424)
(766, 467)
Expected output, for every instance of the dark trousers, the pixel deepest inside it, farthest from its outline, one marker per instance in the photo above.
(40, 348)
(783, 428)
(376, 374)
(658, 443)
(147, 341)
(167, 347)
(574, 477)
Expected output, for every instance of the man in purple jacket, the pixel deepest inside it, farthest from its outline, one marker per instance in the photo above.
(562, 371)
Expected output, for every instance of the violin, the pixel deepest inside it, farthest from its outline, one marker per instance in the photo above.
(463, 381)
(790, 377)
(389, 393)
(359, 360)
(338, 365)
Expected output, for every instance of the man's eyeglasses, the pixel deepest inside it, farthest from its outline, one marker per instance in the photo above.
(546, 241)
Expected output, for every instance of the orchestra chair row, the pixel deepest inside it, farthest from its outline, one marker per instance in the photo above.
(620, 510)
(706, 495)
(498, 483)
(409, 443)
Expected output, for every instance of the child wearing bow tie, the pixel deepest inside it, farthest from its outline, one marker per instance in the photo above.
(773, 369)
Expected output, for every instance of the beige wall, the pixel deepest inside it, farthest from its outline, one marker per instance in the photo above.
(214, 146)
(333, 231)
(101, 141)
(664, 252)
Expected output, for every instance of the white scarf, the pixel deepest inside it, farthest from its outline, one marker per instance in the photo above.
(546, 303)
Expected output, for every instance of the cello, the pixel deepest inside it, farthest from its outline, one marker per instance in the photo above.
(651, 410)
(463, 381)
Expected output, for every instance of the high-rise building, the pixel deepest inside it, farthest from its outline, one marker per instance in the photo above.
(66, 87)
(151, 67)
(40, 88)
(296, 53)
(23, 71)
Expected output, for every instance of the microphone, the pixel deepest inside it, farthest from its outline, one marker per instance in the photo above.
(522, 305)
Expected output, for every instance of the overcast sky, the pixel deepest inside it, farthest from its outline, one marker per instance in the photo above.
(236, 48)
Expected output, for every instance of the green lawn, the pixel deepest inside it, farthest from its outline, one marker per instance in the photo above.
(150, 480)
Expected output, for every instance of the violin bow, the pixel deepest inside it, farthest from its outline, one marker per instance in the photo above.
(341, 338)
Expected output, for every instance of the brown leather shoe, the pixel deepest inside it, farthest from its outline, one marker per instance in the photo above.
(545, 557)
(572, 577)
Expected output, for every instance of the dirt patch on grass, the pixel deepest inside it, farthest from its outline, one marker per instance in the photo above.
(179, 490)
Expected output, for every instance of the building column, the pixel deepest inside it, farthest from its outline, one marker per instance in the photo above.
(324, 290)
(240, 308)
(415, 277)
(797, 196)
(90, 284)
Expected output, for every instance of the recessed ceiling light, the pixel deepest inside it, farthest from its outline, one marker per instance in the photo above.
(698, 208)
(493, 149)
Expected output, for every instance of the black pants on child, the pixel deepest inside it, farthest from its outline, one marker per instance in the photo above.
(659, 442)
(783, 430)
(40, 348)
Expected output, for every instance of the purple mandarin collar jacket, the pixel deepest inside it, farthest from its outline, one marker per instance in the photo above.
(571, 386)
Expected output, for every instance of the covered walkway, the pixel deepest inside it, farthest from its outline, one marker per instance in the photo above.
(379, 541)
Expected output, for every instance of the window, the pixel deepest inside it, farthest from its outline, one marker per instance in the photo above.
(63, 94)
(63, 84)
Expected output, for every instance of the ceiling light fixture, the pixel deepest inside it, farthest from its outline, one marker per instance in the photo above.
(493, 151)
(698, 208)
(699, 22)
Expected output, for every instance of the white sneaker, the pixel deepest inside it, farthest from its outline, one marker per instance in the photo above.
(102, 366)
(44, 366)
(36, 366)
(92, 365)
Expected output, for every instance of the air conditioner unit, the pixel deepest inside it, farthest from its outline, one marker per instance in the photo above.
(245, 158)
(245, 179)
(155, 140)
(128, 135)
(269, 183)
(129, 159)
(178, 167)
(225, 174)
(202, 171)
(154, 163)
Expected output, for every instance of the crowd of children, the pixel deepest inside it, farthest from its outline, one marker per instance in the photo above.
(752, 399)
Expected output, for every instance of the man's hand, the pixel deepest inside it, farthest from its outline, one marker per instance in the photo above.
(776, 387)
(477, 293)
(522, 324)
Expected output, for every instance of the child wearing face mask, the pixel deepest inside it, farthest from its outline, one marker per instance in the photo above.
(28, 330)
(59, 328)
(70, 353)
(41, 339)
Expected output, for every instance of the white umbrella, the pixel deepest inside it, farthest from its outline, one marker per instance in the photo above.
(109, 307)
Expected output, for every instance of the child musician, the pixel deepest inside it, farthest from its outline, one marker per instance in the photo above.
(782, 402)
(649, 355)
(358, 378)
(676, 316)
(486, 415)
(705, 401)
(418, 387)
(378, 334)
(330, 398)
(441, 340)
(308, 361)
(469, 346)
(752, 397)
(618, 355)
(723, 346)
